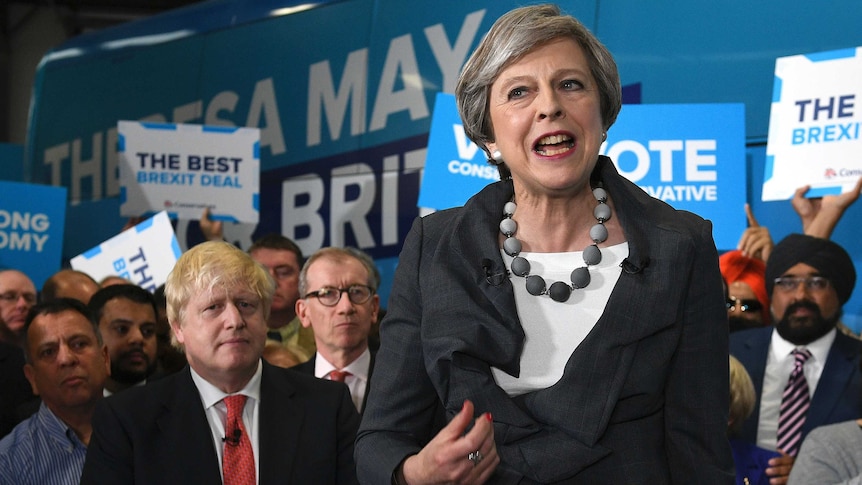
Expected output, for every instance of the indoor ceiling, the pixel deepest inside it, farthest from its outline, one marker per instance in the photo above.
(80, 16)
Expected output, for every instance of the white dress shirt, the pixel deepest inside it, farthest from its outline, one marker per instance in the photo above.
(553, 330)
(357, 381)
(216, 412)
(779, 365)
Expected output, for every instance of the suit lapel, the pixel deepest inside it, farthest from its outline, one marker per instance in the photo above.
(183, 420)
(754, 361)
(368, 381)
(832, 386)
(280, 426)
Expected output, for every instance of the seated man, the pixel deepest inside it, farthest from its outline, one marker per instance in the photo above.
(340, 303)
(228, 414)
(126, 315)
(805, 373)
(66, 366)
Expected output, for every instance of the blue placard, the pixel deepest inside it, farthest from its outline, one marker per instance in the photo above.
(692, 156)
(455, 167)
(32, 217)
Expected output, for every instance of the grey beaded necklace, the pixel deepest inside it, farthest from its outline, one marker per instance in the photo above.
(558, 291)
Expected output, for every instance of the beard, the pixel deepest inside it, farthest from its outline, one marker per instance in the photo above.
(129, 376)
(803, 331)
(741, 323)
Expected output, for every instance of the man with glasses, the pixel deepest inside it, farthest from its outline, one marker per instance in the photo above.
(17, 296)
(805, 373)
(283, 258)
(340, 303)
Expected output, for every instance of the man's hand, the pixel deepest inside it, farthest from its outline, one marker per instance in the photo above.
(779, 469)
(756, 242)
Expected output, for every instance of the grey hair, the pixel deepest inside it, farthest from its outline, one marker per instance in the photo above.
(339, 255)
(512, 36)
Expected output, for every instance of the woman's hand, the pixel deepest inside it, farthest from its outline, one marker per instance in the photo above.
(756, 242)
(445, 458)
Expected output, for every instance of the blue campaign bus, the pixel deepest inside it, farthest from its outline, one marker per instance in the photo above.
(343, 91)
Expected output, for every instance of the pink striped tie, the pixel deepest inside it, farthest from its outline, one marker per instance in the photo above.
(794, 406)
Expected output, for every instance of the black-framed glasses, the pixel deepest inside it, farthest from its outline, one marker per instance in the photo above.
(812, 283)
(744, 305)
(329, 296)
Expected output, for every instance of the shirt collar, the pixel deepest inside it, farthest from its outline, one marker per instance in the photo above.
(56, 428)
(211, 395)
(358, 368)
(819, 348)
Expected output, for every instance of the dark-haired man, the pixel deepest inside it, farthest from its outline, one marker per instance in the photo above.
(126, 315)
(805, 373)
(66, 366)
(283, 258)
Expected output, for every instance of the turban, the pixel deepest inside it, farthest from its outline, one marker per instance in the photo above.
(736, 267)
(827, 257)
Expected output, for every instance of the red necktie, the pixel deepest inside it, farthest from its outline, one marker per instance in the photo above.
(338, 375)
(794, 406)
(238, 461)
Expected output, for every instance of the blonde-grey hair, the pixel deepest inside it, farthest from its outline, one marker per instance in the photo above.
(742, 396)
(514, 35)
(215, 264)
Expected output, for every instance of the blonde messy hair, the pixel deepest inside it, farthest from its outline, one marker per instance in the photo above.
(215, 264)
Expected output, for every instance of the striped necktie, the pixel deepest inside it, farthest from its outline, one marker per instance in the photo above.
(794, 406)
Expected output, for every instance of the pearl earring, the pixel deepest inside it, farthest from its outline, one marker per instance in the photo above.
(496, 158)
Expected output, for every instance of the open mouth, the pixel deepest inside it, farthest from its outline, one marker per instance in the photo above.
(554, 145)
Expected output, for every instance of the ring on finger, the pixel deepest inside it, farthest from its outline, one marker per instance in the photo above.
(475, 457)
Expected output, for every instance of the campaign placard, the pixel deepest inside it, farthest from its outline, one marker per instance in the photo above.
(183, 169)
(691, 156)
(144, 254)
(455, 167)
(32, 217)
(814, 125)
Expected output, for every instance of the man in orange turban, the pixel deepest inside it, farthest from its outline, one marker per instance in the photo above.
(748, 302)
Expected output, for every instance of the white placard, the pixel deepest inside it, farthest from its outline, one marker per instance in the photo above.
(814, 125)
(183, 169)
(144, 254)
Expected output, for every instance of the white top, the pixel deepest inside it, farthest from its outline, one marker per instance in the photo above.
(779, 366)
(554, 330)
(216, 411)
(357, 380)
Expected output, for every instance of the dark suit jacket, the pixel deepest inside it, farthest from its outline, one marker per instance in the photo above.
(643, 399)
(158, 434)
(307, 367)
(838, 396)
(14, 387)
